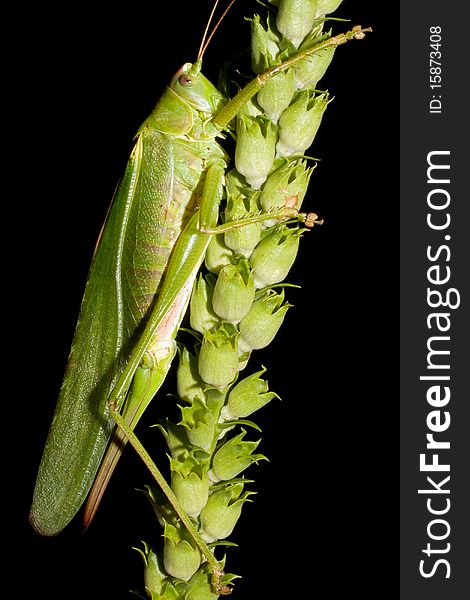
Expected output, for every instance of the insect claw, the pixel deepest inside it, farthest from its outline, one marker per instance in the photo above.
(360, 33)
(310, 219)
(225, 590)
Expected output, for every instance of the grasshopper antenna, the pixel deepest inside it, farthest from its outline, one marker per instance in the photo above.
(204, 42)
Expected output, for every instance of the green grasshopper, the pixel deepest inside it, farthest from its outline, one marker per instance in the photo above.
(151, 247)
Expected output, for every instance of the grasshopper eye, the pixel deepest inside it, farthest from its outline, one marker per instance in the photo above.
(186, 80)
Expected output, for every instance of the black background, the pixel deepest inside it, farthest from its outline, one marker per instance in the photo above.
(325, 509)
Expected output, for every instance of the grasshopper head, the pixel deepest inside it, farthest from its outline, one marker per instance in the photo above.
(195, 89)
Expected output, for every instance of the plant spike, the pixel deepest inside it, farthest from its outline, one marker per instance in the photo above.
(234, 307)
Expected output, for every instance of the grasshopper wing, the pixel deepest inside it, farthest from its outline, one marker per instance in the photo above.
(122, 283)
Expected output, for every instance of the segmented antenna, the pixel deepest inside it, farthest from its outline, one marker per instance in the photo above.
(204, 42)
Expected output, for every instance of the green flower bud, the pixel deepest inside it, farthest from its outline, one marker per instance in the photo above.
(234, 291)
(201, 315)
(190, 483)
(188, 383)
(264, 45)
(233, 457)
(218, 356)
(259, 327)
(276, 95)
(299, 123)
(222, 511)
(154, 576)
(200, 424)
(295, 19)
(255, 149)
(241, 240)
(285, 187)
(249, 395)
(180, 558)
(310, 70)
(274, 256)
(217, 254)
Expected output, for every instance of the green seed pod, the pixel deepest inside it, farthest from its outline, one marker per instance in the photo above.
(218, 356)
(309, 71)
(276, 95)
(201, 315)
(180, 558)
(200, 424)
(233, 457)
(217, 255)
(241, 240)
(259, 327)
(295, 19)
(188, 383)
(274, 256)
(248, 396)
(255, 149)
(154, 576)
(222, 511)
(264, 45)
(286, 186)
(190, 483)
(325, 7)
(234, 291)
(299, 123)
